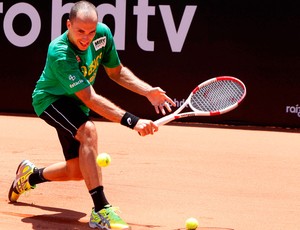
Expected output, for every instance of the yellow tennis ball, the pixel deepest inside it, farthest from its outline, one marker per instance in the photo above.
(191, 223)
(103, 159)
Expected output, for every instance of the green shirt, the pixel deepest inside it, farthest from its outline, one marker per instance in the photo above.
(69, 70)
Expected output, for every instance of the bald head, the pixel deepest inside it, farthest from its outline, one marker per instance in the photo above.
(83, 10)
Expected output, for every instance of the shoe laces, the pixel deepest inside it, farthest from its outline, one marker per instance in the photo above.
(111, 213)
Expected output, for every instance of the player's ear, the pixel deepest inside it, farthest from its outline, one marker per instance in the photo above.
(68, 23)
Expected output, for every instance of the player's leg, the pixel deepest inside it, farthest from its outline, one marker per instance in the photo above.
(80, 155)
(28, 176)
(88, 151)
(66, 117)
(63, 171)
(103, 215)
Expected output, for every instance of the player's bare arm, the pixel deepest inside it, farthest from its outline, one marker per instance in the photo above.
(100, 104)
(112, 112)
(124, 77)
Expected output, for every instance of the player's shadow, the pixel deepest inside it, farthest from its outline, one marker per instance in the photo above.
(61, 219)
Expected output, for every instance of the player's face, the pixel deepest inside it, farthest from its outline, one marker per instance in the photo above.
(81, 31)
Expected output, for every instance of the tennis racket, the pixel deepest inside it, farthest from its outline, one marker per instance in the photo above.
(213, 97)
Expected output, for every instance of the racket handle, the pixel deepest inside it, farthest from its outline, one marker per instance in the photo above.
(164, 120)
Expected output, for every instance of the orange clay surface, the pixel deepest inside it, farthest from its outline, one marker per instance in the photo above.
(226, 178)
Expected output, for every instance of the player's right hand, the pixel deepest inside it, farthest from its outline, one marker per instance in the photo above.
(145, 127)
(160, 100)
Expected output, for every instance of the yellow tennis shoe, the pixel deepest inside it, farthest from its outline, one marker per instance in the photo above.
(107, 219)
(21, 183)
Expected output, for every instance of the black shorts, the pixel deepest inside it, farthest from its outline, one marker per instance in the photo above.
(66, 117)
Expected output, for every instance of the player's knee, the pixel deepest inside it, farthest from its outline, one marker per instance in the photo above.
(87, 132)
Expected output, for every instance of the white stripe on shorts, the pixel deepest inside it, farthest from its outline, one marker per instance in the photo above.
(59, 123)
(64, 117)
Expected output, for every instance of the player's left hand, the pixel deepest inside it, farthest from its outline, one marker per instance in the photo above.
(160, 100)
(145, 127)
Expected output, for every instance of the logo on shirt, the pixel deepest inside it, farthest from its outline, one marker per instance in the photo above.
(76, 83)
(72, 78)
(99, 43)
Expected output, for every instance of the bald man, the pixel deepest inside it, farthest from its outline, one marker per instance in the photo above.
(63, 98)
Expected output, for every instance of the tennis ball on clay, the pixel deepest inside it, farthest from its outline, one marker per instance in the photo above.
(103, 159)
(191, 223)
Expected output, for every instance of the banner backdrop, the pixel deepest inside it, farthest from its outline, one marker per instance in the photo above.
(172, 44)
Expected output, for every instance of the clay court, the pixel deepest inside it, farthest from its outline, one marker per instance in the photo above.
(227, 178)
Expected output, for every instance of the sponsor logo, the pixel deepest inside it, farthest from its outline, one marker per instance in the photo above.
(179, 102)
(129, 121)
(293, 109)
(90, 72)
(99, 43)
(176, 26)
(76, 83)
(72, 78)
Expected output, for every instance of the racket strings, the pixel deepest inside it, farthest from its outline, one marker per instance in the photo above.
(217, 96)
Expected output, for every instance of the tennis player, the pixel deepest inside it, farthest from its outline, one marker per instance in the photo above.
(63, 97)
